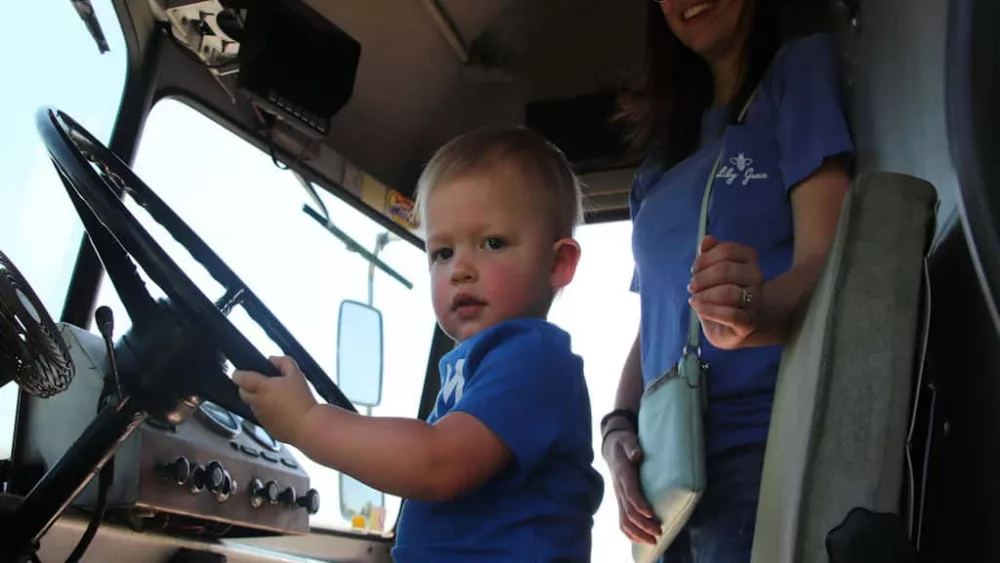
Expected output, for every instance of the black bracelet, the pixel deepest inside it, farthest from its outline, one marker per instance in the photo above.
(627, 414)
(604, 438)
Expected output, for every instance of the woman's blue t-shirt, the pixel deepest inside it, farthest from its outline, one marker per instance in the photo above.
(521, 379)
(795, 122)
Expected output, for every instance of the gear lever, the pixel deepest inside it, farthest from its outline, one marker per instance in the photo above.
(106, 325)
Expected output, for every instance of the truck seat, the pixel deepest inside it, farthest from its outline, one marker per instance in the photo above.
(845, 388)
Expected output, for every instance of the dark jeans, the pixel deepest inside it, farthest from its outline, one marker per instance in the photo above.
(722, 526)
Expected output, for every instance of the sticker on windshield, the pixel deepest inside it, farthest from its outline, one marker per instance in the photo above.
(400, 209)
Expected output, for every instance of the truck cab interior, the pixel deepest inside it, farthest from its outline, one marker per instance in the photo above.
(193, 185)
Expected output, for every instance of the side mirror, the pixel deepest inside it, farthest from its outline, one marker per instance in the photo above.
(359, 353)
(362, 505)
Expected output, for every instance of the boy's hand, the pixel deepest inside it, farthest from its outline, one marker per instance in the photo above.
(279, 403)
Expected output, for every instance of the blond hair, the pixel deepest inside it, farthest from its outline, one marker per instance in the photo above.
(528, 152)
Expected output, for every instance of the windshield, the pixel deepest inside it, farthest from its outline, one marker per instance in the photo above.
(250, 212)
(39, 230)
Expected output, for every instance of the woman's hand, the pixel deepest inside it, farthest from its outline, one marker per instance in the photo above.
(726, 288)
(279, 403)
(635, 517)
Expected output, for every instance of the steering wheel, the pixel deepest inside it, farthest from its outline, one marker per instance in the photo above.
(172, 352)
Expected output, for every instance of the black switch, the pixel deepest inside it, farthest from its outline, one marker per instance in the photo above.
(177, 471)
(309, 501)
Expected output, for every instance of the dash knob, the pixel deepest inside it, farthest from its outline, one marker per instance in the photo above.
(261, 493)
(287, 496)
(177, 471)
(309, 501)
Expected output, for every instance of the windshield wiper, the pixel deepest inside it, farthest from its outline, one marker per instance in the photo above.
(351, 244)
(354, 246)
(86, 11)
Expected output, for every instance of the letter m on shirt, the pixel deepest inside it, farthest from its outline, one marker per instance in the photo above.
(451, 389)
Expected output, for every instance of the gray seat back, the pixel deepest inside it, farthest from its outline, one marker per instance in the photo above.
(842, 405)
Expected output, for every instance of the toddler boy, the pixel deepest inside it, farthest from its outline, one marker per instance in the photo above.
(502, 468)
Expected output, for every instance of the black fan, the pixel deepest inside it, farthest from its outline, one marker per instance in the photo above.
(32, 352)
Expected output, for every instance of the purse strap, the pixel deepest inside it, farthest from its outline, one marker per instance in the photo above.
(694, 326)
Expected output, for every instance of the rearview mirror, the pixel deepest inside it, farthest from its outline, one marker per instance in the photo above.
(359, 353)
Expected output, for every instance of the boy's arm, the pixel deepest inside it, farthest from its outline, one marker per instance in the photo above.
(405, 457)
(516, 407)
(402, 457)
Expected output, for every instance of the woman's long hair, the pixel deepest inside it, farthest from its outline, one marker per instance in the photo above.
(664, 114)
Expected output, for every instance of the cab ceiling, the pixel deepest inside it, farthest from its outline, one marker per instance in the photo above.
(414, 91)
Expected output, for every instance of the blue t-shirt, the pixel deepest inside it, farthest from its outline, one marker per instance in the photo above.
(521, 379)
(795, 122)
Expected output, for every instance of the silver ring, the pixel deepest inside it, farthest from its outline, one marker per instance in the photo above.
(746, 298)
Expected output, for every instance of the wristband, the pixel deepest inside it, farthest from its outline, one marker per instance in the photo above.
(627, 414)
(604, 438)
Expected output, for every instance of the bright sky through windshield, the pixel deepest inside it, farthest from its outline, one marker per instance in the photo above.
(39, 229)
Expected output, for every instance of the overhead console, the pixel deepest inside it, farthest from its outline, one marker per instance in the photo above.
(289, 61)
(584, 128)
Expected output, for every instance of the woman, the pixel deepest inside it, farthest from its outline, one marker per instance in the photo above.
(772, 217)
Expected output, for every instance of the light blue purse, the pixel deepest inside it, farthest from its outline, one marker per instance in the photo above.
(671, 424)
